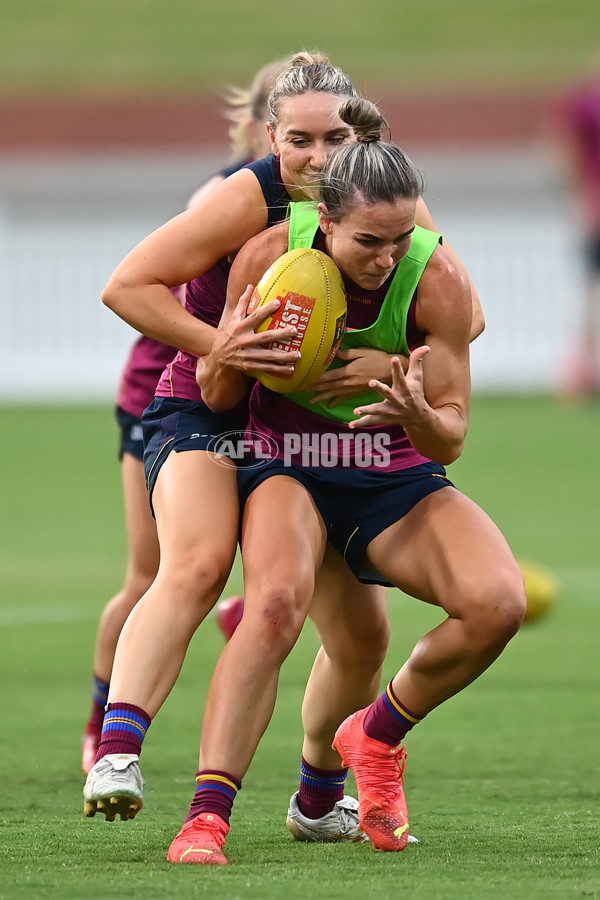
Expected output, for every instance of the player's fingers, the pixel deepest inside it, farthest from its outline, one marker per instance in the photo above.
(241, 309)
(258, 316)
(415, 365)
(398, 376)
(274, 368)
(271, 355)
(280, 336)
(321, 397)
(327, 379)
(415, 362)
(379, 407)
(275, 362)
(332, 398)
(368, 419)
(381, 387)
(348, 354)
(329, 385)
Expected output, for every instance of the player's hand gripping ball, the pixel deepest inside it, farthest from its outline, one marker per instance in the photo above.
(541, 589)
(309, 287)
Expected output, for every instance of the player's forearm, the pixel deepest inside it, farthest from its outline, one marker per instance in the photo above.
(155, 311)
(439, 434)
(223, 387)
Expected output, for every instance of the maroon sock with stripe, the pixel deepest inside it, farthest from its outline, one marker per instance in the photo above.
(388, 720)
(99, 698)
(123, 730)
(320, 789)
(215, 793)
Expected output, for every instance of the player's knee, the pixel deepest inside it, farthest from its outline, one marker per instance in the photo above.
(361, 650)
(136, 584)
(514, 604)
(375, 641)
(501, 608)
(196, 581)
(278, 617)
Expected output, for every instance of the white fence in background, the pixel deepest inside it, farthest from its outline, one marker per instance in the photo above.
(65, 224)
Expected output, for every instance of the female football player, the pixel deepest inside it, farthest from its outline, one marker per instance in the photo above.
(247, 110)
(195, 500)
(397, 521)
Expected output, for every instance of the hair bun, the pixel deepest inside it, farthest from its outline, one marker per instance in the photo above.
(365, 119)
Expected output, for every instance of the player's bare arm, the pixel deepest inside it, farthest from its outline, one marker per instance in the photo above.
(431, 400)
(182, 249)
(424, 218)
(237, 350)
(367, 363)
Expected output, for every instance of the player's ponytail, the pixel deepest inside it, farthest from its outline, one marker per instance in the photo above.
(365, 119)
(370, 168)
(308, 58)
(247, 105)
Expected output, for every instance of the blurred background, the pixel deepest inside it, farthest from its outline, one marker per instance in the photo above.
(111, 116)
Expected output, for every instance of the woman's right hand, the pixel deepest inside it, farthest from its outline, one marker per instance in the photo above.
(238, 346)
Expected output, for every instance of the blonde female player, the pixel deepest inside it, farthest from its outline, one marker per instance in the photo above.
(396, 521)
(247, 111)
(195, 501)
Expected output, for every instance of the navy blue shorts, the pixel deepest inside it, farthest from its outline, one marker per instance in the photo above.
(355, 504)
(131, 439)
(170, 423)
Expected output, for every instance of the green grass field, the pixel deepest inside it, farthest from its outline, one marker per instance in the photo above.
(67, 46)
(502, 783)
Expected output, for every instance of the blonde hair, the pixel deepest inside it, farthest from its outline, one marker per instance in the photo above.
(247, 105)
(308, 71)
(370, 168)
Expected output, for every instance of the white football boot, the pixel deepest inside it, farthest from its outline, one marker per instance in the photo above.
(114, 787)
(338, 826)
(341, 824)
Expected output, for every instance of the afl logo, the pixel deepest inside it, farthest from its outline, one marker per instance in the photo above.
(248, 449)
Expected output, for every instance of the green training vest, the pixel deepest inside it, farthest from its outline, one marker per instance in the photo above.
(388, 332)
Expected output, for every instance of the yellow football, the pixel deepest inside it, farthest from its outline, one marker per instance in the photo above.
(541, 588)
(312, 297)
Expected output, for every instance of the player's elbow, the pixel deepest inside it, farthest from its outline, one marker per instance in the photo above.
(450, 453)
(457, 444)
(219, 394)
(123, 288)
(477, 324)
(453, 442)
(215, 400)
(447, 451)
(454, 425)
(112, 295)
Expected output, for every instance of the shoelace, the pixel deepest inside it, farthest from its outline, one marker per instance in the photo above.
(348, 820)
(213, 829)
(382, 767)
